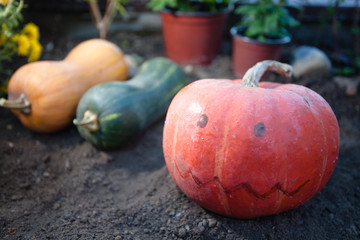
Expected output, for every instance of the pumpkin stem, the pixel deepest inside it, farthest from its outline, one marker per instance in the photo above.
(254, 74)
(21, 103)
(89, 121)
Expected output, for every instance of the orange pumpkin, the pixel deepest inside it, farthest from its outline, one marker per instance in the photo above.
(246, 151)
(44, 94)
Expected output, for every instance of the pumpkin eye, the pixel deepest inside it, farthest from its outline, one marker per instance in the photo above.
(259, 129)
(203, 120)
(307, 101)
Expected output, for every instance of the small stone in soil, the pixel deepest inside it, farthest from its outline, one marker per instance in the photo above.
(46, 158)
(25, 185)
(56, 206)
(181, 232)
(17, 196)
(212, 223)
(27, 213)
(11, 145)
(67, 165)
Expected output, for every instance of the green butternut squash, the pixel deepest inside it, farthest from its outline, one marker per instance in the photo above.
(112, 114)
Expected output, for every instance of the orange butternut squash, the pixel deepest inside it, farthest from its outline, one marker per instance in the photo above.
(44, 94)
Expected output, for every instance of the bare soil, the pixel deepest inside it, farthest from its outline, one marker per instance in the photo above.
(58, 186)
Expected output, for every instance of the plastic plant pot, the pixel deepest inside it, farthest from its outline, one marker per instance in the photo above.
(193, 38)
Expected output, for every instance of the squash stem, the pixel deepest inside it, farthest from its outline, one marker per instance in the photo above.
(21, 103)
(89, 121)
(254, 74)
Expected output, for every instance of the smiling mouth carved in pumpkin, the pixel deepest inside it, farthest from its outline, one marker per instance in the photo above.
(259, 131)
(244, 185)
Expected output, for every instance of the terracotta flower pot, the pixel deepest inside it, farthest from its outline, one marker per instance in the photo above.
(193, 38)
(247, 52)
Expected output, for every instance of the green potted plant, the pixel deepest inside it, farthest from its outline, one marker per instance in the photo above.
(261, 33)
(192, 29)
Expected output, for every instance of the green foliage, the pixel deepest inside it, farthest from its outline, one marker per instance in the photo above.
(266, 19)
(10, 14)
(357, 61)
(10, 18)
(188, 5)
(119, 6)
(14, 40)
(344, 71)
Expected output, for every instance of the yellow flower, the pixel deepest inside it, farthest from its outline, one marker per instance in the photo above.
(4, 27)
(14, 38)
(3, 31)
(4, 86)
(35, 50)
(4, 2)
(23, 45)
(2, 39)
(32, 31)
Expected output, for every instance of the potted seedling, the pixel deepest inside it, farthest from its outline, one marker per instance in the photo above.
(192, 29)
(261, 33)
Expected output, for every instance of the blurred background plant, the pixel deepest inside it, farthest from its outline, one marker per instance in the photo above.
(265, 19)
(189, 5)
(102, 22)
(14, 40)
(349, 67)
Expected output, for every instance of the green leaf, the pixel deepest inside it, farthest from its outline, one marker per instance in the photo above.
(157, 5)
(246, 10)
(172, 3)
(261, 38)
(271, 22)
(254, 30)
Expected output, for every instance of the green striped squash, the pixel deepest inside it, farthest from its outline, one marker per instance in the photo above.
(112, 114)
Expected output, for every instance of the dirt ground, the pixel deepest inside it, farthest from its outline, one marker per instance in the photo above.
(58, 186)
